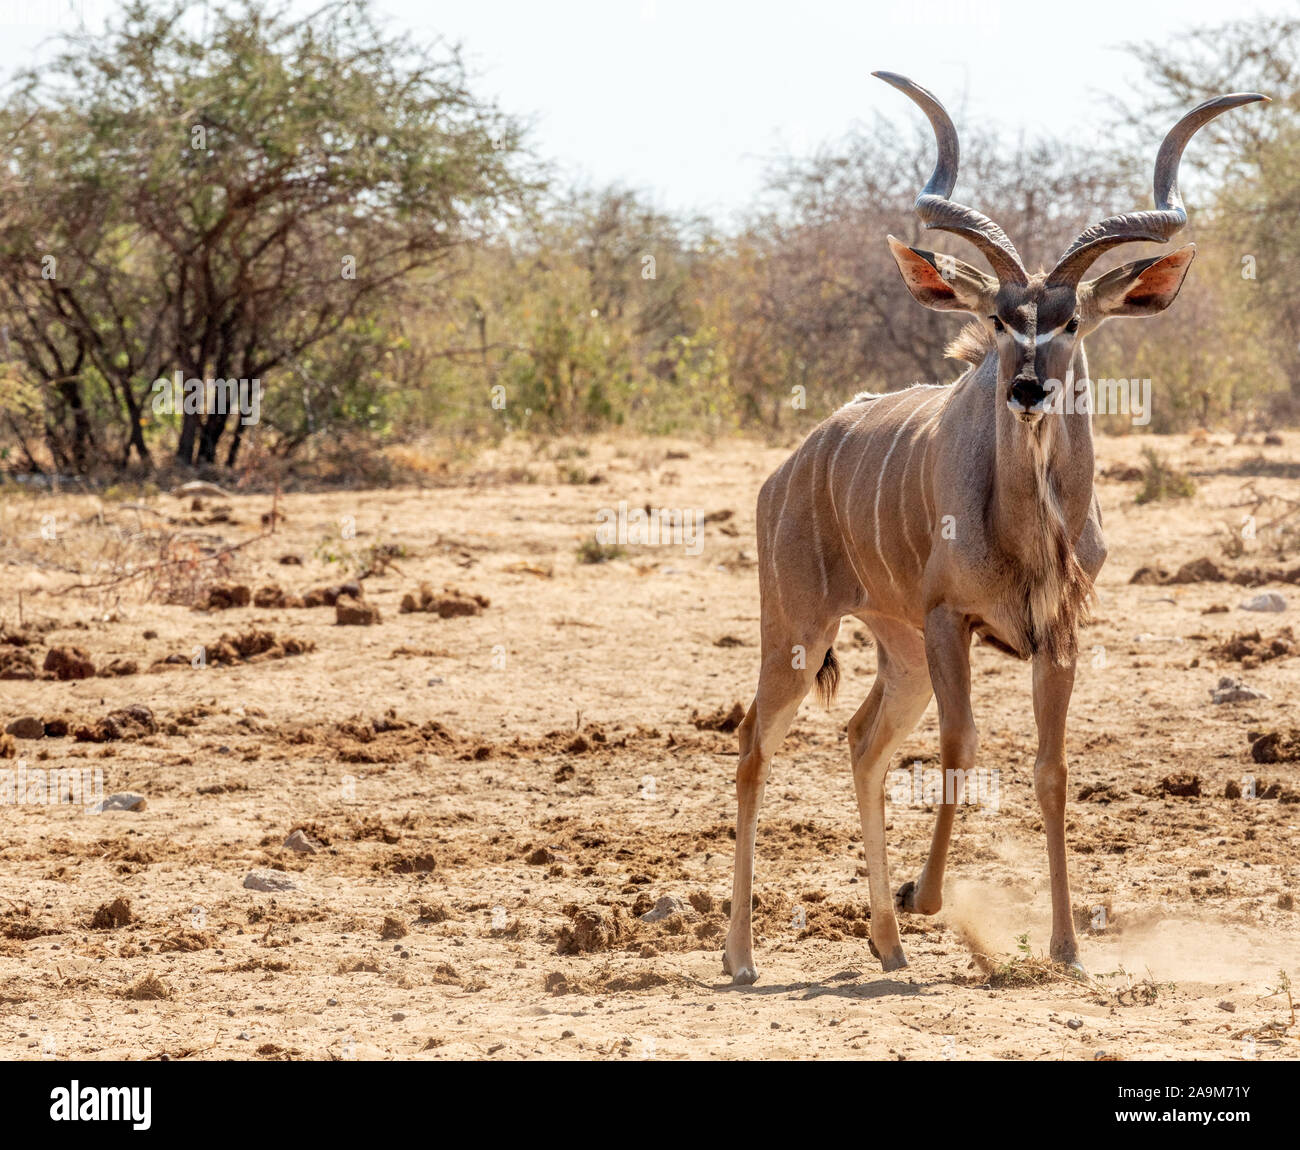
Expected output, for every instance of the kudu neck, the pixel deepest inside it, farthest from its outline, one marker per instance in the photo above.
(1052, 459)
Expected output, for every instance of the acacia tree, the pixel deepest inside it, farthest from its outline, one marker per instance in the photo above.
(249, 188)
(1253, 161)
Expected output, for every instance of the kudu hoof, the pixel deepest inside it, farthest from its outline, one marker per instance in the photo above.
(896, 960)
(744, 974)
(905, 900)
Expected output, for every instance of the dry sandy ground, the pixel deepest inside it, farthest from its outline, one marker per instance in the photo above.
(490, 790)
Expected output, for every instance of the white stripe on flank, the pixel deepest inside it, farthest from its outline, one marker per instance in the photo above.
(880, 484)
(903, 517)
(853, 482)
(771, 551)
(925, 457)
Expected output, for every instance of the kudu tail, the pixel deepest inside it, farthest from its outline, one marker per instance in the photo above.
(828, 678)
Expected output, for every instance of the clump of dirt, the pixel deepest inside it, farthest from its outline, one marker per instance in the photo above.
(414, 864)
(69, 663)
(224, 596)
(1250, 648)
(446, 604)
(720, 720)
(131, 722)
(356, 614)
(1259, 576)
(254, 646)
(57, 726)
(609, 982)
(392, 927)
(329, 596)
(111, 915)
(186, 941)
(1183, 785)
(8, 747)
(16, 663)
(1206, 570)
(1275, 746)
(593, 929)
(149, 988)
(273, 595)
(19, 924)
(388, 739)
(118, 668)
(1100, 793)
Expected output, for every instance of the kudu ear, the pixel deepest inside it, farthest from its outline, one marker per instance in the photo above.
(1144, 287)
(942, 282)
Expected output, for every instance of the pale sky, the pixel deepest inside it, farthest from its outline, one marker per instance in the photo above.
(691, 99)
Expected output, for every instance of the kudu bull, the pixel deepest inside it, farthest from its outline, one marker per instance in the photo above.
(939, 512)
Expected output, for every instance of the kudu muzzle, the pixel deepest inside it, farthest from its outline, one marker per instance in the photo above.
(1027, 398)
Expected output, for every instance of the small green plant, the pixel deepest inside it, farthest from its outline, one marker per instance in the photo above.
(589, 551)
(1162, 480)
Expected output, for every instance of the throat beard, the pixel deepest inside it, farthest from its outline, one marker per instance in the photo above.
(1055, 589)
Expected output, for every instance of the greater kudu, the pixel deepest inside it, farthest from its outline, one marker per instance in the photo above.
(936, 513)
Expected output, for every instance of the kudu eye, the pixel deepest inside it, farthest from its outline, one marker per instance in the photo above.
(998, 325)
(1073, 325)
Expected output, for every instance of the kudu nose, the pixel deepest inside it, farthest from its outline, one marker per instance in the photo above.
(1027, 392)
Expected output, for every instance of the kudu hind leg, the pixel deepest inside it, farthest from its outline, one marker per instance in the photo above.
(896, 702)
(781, 689)
(948, 657)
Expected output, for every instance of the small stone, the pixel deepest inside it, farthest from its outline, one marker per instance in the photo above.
(331, 1002)
(566, 1034)
(301, 843)
(269, 880)
(1268, 601)
(662, 909)
(28, 727)
(1230, 1007)
(124, 801)
(398, 1016)
(1075, 1023)
(1234, 691)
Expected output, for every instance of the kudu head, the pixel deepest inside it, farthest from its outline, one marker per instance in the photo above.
(1035, 321)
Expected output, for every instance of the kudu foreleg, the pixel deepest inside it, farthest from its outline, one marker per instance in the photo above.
(1052, 687)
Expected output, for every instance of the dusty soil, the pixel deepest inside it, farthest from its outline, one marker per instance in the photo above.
(494, 783)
